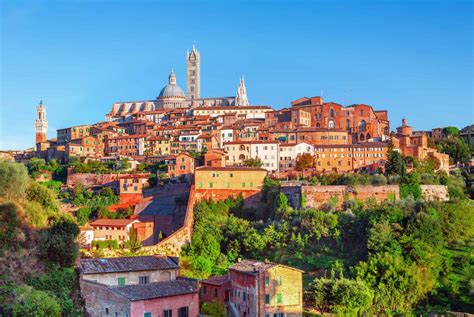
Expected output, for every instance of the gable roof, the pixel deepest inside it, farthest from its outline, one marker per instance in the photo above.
(180, 286)
(127, 264)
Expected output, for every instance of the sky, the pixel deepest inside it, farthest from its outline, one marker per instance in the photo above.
(414, 59)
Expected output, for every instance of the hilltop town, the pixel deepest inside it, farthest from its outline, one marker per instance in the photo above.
(185, 205)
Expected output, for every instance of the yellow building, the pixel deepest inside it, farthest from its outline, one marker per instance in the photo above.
(231, 178)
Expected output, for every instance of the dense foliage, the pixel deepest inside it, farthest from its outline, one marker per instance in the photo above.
(391, 258)
(37, 249)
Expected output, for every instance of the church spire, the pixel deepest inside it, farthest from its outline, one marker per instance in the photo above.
(241, 99)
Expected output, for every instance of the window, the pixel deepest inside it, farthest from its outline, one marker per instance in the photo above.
(243, 184)
(331, 124)
(267, 299)
(183, 312)
(279, 298)
(210, 185)
(143, 280)
(147, 314)
(121, 281)
(216, 292)
(168, 313)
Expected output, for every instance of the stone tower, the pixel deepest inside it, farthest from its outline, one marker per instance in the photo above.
(241, 99)
(193, 65)
(41, 124)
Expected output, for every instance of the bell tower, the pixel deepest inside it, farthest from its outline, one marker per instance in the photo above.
(193, 83)
(41, 124)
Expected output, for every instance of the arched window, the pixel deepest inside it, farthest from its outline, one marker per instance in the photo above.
(242, 147)
(367, 136)
(348, 124)
(318, 125)
(362, 125)
(362, 137)
(331, 124)
(331, 113)
(241, 157)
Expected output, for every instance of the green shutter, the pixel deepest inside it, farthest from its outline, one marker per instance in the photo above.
(279, 298)
(267, 299)
(121, 281)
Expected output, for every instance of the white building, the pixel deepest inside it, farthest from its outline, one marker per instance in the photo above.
(226, 135)
(267, 151)
(289, 153)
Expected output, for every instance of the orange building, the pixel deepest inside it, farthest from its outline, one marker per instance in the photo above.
(214, 158)
(361, 121)
(86, 146)
(181, 164)
(367, 156)
(416, 145)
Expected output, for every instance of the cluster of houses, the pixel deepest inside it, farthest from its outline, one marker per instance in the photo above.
(340, 139)
(150, 286)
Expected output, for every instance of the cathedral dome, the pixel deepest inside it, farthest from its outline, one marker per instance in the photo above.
(172, 89)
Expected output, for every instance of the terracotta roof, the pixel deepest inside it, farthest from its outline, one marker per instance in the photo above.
(127, 264)
(251, 142)
(229, 168)
(176, 287)
(233, 108)
(217, 280)
(112, 222)
(254, 266)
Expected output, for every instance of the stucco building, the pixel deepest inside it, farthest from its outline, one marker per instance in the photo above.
(254, 288)
(229, 178)
(145, 286)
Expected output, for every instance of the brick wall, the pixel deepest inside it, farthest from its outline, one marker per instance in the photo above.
(98, 298)
(318, 196)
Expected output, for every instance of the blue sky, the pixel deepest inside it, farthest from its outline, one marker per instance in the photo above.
(414, 59)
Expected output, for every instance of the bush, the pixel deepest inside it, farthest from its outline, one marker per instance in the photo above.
(379, 180)
(13, 180)
(43, 195)
(105, 244)
(58, 245)
(413, 190)
(30, 302)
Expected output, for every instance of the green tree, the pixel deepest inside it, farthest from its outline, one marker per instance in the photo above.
(253, 162)
(214, 309)
(31, 302)
(397, 284)
(133, 243)
(58, 245)
(456, 148)
(13, 180)
(394, 164)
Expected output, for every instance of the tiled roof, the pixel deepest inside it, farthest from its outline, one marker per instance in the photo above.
(251, 266)
(217, 280)
(229, 168)
(176, 287)
(127, 264)
(112, 222)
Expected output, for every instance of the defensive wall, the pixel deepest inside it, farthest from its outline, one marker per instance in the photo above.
(318, 196)
(172, 244)
(315, 196)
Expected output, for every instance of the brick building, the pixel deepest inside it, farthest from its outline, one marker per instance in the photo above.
(254, 288)
(416, 145)
(126, 145)
(137, 286)
(181, 164)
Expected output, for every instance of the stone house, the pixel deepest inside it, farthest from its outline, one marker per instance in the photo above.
(118, 229)
(254, 288)
(137, 286)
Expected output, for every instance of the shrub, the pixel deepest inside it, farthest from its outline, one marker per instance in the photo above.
(378, 180)
(13, 180)
(31, 302)
(105, 244)
(58, 244)
(413, 190)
